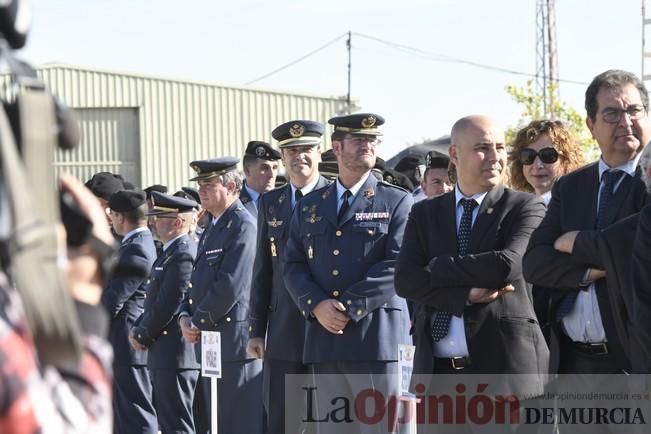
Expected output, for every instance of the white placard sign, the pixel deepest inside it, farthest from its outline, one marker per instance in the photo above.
(211, 354)
(405, 366)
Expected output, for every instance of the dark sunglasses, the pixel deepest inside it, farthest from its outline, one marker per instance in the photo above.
(546, 155)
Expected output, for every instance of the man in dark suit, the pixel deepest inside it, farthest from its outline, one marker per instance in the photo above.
(277, 326)
(171, 361)
(218, 299)
(260, 165)
(611, 250)
(585, 315)
(124, 298)
(339, 262)
(460, 259)
(642, 287)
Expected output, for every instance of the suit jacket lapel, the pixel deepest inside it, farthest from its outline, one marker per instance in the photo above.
(588, 189)
(363, 199)
(448, 222)
(329, 197)
(488, 212)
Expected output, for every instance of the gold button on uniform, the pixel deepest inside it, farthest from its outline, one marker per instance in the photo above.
(309, 301)
(203, 320)
(335, 272)
(272, 239)
(165, 332)
(338, 233)
(228, 319)
(189, 285)
(139, 336)
(359, 311)
(335, 293)
(190, 301)
(335, 252)
(349, 302)
(250, 328)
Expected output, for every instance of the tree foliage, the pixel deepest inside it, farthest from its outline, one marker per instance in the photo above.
(534, 109)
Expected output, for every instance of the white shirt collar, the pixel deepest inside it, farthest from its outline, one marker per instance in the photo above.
(629, 167)
(458, 195)
(134, 232)
(169, 243)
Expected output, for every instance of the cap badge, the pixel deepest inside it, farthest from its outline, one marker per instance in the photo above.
(296, 130)
(260, 151)
(368, 121)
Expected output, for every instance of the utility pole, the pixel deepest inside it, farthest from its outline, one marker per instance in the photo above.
(646, 51)
(546, 59)
(349, 46)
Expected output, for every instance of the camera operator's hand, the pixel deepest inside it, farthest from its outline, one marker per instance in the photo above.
(84, 262)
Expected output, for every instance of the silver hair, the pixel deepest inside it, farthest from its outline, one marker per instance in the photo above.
(235, 176)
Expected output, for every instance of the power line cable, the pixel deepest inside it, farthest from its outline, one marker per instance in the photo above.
(300, 59)
(444, 58)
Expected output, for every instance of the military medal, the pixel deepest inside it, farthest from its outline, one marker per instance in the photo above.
(273, 247)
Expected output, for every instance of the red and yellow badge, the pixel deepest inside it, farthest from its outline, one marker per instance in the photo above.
(369, 193)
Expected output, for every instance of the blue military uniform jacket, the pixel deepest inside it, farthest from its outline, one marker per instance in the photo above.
(157, 327)
(352, 261)
(124, 295)
(248, 202)
(273, 313)
(218, 298)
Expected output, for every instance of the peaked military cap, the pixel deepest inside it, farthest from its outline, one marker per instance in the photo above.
(262, 150)
(104, 185)
(156, 187)
(207, 169)
(164, 204)
(329, 155)
(127, 200)
(358, 123)
(191, 193)
(436, 160)
(298, 133)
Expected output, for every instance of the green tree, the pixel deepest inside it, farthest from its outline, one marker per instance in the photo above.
(534, 109)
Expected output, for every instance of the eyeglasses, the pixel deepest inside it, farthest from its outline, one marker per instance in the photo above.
(613, 115)
(371, 141)
(546, 155)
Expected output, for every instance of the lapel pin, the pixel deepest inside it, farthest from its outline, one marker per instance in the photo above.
(489, 211)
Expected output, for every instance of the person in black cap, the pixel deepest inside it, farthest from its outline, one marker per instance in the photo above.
(104, 185)
(435, 180)
(162, 189)
(277, 335)
(172, 363)
(339, 259)
(218, 299)
(123, 297)
(412, 166)
(260, 164)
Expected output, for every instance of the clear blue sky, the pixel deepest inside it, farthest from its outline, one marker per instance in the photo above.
(236, 42)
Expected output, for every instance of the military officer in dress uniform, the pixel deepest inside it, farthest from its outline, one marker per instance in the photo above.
(273, 314)
(172, 363)
(260, 164)
(218, 298)
(124, 298)
(339, 262)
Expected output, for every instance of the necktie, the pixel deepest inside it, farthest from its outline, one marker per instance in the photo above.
(609, 179)
(441, 322)
(344, 205)
(298, 194)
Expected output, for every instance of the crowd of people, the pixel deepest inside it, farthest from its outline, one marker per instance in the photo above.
(495, 258)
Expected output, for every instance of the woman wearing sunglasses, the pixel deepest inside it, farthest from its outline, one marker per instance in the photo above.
(542, 152)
